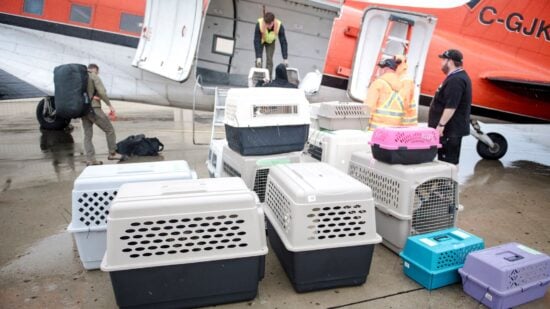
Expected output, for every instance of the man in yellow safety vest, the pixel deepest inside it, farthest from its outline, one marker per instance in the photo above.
(407, 91)
(384, 101)
(268, 29)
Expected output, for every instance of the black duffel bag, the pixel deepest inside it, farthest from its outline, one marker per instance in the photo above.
(71, 97)
(139, 145)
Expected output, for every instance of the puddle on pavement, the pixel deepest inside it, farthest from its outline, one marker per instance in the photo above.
(52, 255)
(532, 167)
(491, 171)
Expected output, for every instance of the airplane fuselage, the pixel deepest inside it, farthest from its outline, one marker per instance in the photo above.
(505, 46)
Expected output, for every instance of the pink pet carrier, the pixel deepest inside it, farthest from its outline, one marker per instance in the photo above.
(404, 145)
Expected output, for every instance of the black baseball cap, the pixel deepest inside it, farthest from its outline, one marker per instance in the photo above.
(453, 54)
(389, 63)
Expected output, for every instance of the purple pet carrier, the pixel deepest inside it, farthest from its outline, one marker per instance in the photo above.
(506, 276)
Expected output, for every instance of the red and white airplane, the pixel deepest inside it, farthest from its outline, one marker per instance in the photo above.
(173, 53)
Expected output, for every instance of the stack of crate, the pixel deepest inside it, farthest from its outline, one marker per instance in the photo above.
(339, 132)
(413, 194)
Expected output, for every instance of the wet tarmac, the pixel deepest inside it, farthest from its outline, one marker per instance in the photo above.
(506, 200)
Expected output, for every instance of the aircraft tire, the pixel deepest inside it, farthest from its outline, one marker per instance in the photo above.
(493, 154)
(50, 122)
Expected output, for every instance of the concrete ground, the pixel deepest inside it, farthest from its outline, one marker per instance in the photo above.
(507, 200)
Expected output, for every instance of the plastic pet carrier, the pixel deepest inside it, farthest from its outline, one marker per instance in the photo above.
(410, 199)
(262, 121)
(336, 147)
(257, 75)
(506, 276)
(188, 243)
(215, 155)
(405, 145)
(94, 191)
(433, 259)
(342, 116)
(254, 169)
(314, 116)
(321, 225)
(293, 76)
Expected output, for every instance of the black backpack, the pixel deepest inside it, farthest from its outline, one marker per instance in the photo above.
(139, 145)
(71, 97)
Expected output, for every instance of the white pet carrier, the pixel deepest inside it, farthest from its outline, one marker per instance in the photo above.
(168, 241)
(261, 121)
(336, 147)
(215, 152)
(256, 75)
(94, 191)
(343, 115)
(410, 199)
(319, 215)
(314, 116)
(254, 169)
(315, 206)
(293, 76)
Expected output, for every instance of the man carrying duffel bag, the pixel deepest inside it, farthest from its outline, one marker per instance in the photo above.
(96, 116)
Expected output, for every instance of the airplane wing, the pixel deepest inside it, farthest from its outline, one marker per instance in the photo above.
(30, 56)
(520, 83)
(12, 87)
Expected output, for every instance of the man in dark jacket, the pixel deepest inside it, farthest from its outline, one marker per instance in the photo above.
(450, 108)
(268, 29)
(281, 78)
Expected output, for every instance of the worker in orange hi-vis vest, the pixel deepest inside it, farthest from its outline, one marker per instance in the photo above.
(384, 102)
(407, 92)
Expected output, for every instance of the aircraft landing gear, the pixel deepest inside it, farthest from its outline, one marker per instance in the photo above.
(45, 114)
(490, 146)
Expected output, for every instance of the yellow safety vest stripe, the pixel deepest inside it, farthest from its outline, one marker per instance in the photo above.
(395, 96)
(387, 112)
(409, 120)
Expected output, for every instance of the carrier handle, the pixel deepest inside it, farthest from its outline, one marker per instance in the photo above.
(179, 188)
(442, 238)
(134, 170)
(514, 257)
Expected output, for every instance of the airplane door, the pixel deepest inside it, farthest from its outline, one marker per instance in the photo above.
(385, 33)
(169, 38)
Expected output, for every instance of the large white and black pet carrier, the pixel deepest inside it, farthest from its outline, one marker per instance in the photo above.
(94, 191)
(261, 121)
(188, 243)
(336, 147)
(321, 225)
(254, 169)
(410, 199)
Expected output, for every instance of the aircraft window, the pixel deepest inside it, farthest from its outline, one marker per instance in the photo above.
(131, 23)
(223, 45)
(81, 13)
(34, 7)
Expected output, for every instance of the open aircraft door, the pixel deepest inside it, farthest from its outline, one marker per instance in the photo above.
(169, 38)
(385, 33)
